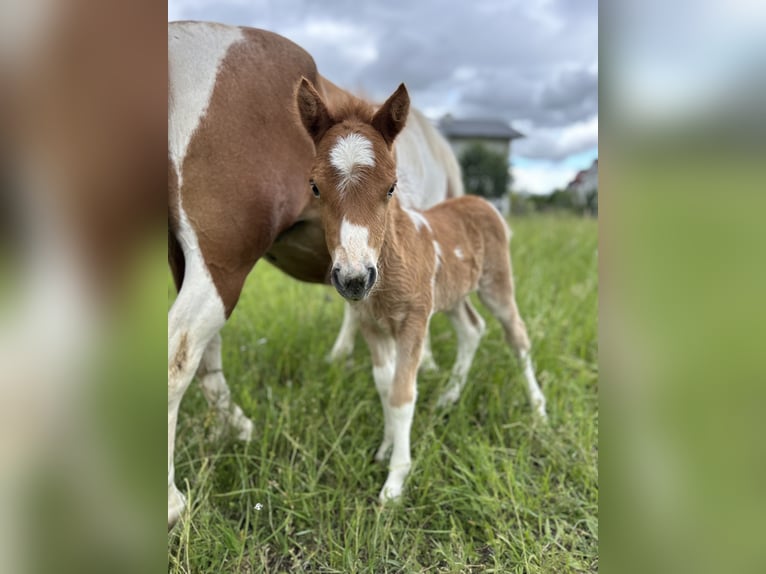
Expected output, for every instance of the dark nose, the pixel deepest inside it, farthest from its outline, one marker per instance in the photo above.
(353, 287)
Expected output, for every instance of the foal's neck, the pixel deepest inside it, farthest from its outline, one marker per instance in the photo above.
(401, 235)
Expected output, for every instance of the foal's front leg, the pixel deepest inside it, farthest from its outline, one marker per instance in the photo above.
(383, 352)
(401, 405)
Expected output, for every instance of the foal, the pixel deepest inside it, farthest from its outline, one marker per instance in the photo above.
(398, 267)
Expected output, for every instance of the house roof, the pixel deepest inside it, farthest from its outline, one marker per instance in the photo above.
(478, 128)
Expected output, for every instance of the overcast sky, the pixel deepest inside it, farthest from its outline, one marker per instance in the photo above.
(533, 63)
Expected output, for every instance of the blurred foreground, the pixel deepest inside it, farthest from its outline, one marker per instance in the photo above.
(682, 284)
(82, 275)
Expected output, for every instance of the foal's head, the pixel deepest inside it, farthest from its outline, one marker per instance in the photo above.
(353, 178)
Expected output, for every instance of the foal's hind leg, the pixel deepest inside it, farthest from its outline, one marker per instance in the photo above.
(427, 362)
(496, 292)
(469, 327)
(217, 392)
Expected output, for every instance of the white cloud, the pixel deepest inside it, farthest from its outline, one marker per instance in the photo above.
(541, 179)
(557, 143)
(513, 60)
(353, 44)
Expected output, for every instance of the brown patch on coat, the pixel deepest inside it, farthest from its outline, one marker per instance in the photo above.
(246, 169)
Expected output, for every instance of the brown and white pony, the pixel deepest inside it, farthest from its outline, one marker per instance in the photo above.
(238, 167)
(400, 266)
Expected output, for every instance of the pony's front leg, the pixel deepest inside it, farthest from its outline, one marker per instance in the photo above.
(401, 406)
(383, 352)
(344, 344)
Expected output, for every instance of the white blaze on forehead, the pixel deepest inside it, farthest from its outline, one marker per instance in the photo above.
(348, 154)
(458, 253)
(418, 219)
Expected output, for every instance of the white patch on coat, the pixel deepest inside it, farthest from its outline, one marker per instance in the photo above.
(195, 53)
(437, 255)
(458, 253)
(349, 154)
(437, 266)
(426, 166)
(418, 219)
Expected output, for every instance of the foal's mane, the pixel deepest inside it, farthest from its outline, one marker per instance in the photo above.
(352, 108)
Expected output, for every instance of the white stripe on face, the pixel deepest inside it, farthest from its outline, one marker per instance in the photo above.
(354, 253)
(349, 153)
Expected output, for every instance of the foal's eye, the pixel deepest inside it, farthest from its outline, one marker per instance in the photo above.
(391, 190)
(314, 188)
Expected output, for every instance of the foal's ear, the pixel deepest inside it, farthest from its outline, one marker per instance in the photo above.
(314, 114)
(392, 115)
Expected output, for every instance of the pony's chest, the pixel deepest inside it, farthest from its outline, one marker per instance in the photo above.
(387, 314)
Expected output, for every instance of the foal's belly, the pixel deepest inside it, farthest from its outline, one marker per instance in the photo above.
(454, 282)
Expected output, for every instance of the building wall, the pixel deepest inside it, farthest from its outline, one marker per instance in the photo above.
(588, 184)
(459, 145)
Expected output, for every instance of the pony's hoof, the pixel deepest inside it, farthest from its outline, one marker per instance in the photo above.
(448, 399)
(338, 354)
(245, 430)
(382, 454)
(390, 494)
(538, 407)
(540, 412)
(176, 506)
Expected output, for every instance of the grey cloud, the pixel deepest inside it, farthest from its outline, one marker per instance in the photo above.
(523, 60)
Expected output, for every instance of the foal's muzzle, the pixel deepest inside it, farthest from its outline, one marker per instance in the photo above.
(354, 286)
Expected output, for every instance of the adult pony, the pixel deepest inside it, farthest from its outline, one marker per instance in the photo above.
(238, 170)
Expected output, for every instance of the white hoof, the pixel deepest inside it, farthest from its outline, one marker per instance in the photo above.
(540, 410)
(234, 425)
(448, 398)
(389, 494)
(245, 429)
(176, 505)
(339, 353)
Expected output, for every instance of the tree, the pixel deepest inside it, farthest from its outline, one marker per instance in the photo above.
(485, 172)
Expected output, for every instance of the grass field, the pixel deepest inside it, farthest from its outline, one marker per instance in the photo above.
(490, 490)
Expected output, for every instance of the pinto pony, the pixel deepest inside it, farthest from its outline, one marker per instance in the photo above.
(399, 266)
(238, 163)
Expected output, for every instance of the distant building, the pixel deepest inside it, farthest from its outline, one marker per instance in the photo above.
(584, 188)
(496, 135)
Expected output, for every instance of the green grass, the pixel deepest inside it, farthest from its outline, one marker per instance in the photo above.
(490, 490)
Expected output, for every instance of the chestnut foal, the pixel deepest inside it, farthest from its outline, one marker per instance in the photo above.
(399, 266)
